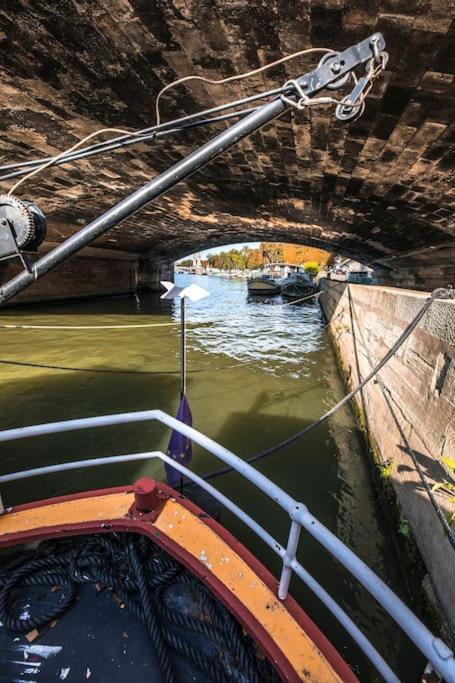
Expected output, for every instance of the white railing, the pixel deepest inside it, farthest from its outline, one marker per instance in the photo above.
(434, 649)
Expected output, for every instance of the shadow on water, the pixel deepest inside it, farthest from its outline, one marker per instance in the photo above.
(279, 375)
(79, 395)
(107, 306)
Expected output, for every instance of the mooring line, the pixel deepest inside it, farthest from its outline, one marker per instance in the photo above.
(410, 451)
(11, 326)
(439, 293)
(120, 371)
(14, 326)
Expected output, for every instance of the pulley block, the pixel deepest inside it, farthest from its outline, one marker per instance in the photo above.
(335, 61)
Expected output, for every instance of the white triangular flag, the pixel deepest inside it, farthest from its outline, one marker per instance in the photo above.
(192, 292)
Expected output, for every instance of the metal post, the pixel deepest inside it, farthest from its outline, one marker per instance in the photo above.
(288, 559)
(182, 347)
(309, 85)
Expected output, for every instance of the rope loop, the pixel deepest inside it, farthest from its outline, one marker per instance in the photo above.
(181, 614)
(303, 99)
(443, 293)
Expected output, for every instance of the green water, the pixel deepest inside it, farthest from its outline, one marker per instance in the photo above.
(257, 373)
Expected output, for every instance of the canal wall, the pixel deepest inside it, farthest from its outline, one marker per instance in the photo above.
(407, 412)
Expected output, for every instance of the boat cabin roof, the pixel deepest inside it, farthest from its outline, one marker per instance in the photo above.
(293, 266)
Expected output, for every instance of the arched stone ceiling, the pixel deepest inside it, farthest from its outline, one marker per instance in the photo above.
(378, 189)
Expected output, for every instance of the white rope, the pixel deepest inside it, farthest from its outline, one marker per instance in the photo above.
(64, 153)
(11, 326)
(237, 77)
(297, 301)
(302, 102)
(120, 131)
(8, 326)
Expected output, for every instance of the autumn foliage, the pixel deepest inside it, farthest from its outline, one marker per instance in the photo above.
(268, 252)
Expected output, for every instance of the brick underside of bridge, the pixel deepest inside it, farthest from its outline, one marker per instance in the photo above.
(379, 190)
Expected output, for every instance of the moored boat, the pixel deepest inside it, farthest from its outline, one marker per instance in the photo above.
(270, 278)
(263, 284)
(297, 284)
(359, 277)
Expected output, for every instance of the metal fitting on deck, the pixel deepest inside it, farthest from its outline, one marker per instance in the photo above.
(145, 494)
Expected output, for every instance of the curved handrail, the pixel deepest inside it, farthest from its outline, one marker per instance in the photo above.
(356, 634)
(433, 648)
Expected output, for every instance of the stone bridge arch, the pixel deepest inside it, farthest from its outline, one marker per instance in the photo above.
(379, 190)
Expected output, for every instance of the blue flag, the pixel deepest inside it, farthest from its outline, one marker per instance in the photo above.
(180, 446)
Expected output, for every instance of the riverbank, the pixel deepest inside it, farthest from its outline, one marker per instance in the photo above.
(407, 415)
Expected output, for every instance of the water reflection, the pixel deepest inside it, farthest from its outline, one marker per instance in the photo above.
(254, 329)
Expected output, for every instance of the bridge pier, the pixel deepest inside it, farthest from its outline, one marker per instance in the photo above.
(150, 271)
(93, 272)
(425, 278)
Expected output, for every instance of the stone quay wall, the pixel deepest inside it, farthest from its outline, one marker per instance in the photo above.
(408, 414)
(82, 276)
(93, 272)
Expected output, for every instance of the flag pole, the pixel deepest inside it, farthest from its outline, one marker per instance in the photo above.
(180, 447)
(182, 347)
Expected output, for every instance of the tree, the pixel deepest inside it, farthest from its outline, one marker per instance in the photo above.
(268, 252)
(255, 259)
(272, 252)
(311, 267)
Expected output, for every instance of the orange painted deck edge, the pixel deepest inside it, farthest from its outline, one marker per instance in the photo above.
(204, 544)
(110, 506)
(185, 530)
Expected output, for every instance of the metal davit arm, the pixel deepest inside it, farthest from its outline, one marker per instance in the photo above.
(306, 87)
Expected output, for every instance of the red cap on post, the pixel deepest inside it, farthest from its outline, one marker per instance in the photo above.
(145, 494)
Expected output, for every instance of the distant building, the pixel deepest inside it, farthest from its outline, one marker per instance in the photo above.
(346, 270)
(197, 262)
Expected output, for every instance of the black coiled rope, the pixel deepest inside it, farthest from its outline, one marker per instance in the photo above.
(139, 574)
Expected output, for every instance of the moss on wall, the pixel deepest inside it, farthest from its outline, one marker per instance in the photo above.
(413, 567)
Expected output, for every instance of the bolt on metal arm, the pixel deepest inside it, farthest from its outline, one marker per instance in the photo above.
(328, 73)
